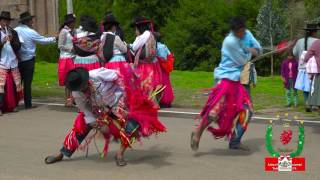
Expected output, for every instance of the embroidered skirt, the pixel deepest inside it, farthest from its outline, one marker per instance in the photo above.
(89, 62)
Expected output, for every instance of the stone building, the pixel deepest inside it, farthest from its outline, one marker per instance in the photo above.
(46, 12)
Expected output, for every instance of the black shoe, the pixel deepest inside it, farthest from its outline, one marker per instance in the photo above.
(240, 147)
(308, 109)
(30, 107)
(53, 159)
(120, 161)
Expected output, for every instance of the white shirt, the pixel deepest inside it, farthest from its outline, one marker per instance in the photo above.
(28, 38)
(140, 41)
(107, 93)
(8, 59)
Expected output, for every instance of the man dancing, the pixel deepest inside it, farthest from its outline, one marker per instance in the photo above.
(229, 104)
(100, 97)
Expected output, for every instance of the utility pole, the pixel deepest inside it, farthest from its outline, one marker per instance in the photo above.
(69, 7)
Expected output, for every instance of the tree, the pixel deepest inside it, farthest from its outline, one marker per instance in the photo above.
(271, 27)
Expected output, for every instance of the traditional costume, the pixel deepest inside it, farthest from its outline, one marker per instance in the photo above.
(100, 97)
(289, 71)
(10, 80)
(249, 41)
(86, 44)
(229, 104)
(65, 45)
(166, 60)
(144, 48)
(313, 69)
(303, 82)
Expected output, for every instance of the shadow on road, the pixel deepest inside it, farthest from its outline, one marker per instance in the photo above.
(254, 145)
(154, 156)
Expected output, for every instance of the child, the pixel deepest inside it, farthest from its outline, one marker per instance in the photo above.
(289, 71)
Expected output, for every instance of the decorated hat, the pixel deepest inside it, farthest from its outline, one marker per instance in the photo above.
(109, 18)
(77, 79)
(88, 23)
(310, 27)
(6, 15)
(139, 20)
(25, 16)
(69, 18)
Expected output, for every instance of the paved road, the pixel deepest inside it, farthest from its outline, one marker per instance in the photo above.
(28, 136)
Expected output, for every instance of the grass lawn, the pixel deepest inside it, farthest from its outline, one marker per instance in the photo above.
(189, 88)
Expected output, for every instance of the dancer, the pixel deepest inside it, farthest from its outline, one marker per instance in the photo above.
(166, 60)
(289, 71)
(145, 50)
(10, 80)
(65, 46)
(299, 50)
(86, 44)
(229, 104)
(99, 96)
(250, 41)
(29, 38)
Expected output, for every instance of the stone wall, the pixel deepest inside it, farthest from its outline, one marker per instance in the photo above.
(46, 12)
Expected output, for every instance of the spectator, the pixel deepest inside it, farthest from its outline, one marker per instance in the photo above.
(9, 72)
(289, 71)
(28, 38)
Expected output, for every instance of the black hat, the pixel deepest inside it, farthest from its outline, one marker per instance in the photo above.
(25, 16)
(77, 79)
(311, 27)
(69, 18)
(88, 23)
(139, 20)
(6, 15)
(109, 18)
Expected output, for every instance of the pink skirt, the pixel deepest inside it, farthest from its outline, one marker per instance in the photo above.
(89, 62)
(150, 75)
(141, 107)
(11, 96)
(167, 94)
(64, 66)
(226, 100)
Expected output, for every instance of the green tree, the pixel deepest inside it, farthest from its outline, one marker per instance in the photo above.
(271, 27)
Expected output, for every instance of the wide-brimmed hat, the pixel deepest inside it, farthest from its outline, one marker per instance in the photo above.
(69, 18)
(25, 16)
(6, 15)
(310, 27)
(139, 20)
(88, 23)
(77, 79)
(109, 18)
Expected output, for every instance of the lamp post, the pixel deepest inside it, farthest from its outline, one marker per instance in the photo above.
(69, 7)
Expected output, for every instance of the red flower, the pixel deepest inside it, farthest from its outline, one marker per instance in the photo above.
(286, 136)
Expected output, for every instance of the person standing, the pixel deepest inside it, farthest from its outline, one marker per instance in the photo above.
(289, 71)
(65, 45)
(10, 80)
(166, 60)
(303, 82)
(229, 104)
(86, 44)
(145, 50)
(314, 52)
(29, 38)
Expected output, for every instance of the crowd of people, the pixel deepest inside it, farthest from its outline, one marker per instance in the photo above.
(118, 87)
(300, 70)
(91, 46)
